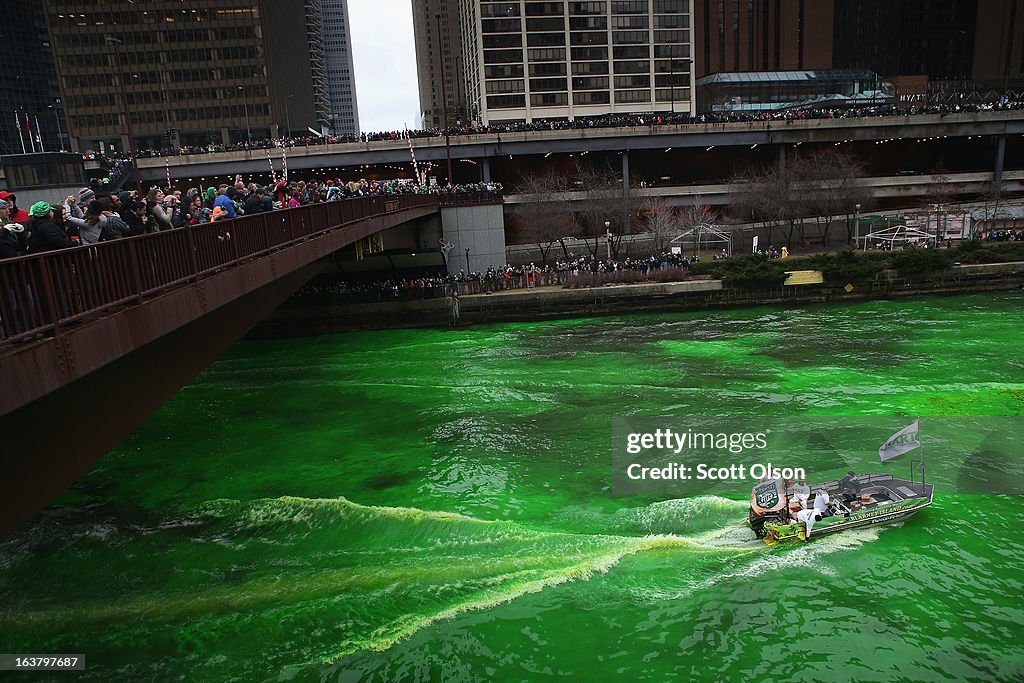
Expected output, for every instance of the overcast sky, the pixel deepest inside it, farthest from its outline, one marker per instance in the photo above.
(385, 61)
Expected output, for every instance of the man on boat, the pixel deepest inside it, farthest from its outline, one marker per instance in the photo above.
(849, 487)
(800, 493)
(821, 502)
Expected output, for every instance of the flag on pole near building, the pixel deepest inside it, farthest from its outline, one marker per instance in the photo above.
(17, 124)
(901, 442)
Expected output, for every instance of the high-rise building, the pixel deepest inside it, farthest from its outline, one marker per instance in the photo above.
(190, 74)
(441, 62)
(933, 38)
(336, 37)
(549, 60)
(31, 113)
(762, 35)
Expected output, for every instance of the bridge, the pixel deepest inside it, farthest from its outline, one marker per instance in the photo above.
(94, 339)
(975, 141)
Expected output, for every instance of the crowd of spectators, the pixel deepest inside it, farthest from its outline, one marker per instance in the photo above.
(583, 123)
(95, 215)
(1002, 235)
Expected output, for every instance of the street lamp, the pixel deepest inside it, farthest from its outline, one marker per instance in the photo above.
(608, 238)
(245, 100)
(60, 135)
(287, 117)
(444, 100)
(116, 42)
(856, 226)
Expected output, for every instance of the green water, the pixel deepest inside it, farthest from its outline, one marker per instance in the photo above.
(436, 505)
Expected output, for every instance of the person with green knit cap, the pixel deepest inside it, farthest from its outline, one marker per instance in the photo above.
(46, 235)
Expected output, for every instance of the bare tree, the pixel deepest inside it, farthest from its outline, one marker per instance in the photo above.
(546, 213)
(696, 217)
(604, 201)
(660, 221)
(830, 184)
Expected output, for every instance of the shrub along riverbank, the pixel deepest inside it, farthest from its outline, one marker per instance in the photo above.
(754, 271)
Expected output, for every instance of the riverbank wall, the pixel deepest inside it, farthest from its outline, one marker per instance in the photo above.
(303, 318)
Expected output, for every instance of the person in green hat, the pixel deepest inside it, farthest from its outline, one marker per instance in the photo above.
(46, 235)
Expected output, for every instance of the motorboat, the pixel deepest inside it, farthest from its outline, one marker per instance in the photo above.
(850, 503)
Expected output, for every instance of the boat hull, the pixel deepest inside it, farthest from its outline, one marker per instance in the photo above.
(892, 511)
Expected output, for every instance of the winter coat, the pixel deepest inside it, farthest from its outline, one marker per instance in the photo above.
(47, 236)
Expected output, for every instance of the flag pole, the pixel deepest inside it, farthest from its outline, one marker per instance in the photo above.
(17, 124)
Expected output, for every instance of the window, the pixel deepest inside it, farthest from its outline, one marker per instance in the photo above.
(500, 56)
(501, 25)
(543, 39)
(589, 38)
(506, 101)
(632, 96)
(499, 9)
(629, 7)
(590, 97)
(633, 67)
(591, 83)
(504, 40)
(583, 23)
(546, 55)
(504, 71)
(547, 69)
(548, 84)
(637, 52)
(625, 37)
(534, 9)
(592, 53)
(632, 81)
(505, 86)
(545, 24)
(582, 68)
(551, 99)
(681, 36)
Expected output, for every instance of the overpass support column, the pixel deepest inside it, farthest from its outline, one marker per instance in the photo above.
(485, 169)
(997, 176)
(625, 193)
(782, 160)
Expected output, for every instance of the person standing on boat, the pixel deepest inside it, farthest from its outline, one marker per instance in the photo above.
(808, 518)
(821, 502)
(800, 493)
(849, 487)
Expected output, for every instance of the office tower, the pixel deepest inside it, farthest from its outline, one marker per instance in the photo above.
(209, 71)
(551, 60)
(28, 84)
(762, 35)
(336, 37)
(439, 42)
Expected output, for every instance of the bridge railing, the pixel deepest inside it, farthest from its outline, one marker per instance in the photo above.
(40, 293)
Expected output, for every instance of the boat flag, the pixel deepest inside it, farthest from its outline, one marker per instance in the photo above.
(901, 442)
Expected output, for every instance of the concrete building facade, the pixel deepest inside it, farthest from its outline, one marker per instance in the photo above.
(336, 37)
(562, 60)
(209, 72)
(438, 39)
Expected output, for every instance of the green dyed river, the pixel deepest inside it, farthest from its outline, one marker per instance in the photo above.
(437, 505)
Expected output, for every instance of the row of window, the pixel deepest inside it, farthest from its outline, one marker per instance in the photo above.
(489, 26)
(540, 9)
(143, 118)
(561, 99)
(678, 67)
(586, 53)
(586, 83)
(506, 40)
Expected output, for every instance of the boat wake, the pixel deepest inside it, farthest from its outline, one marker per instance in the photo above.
(362, 578)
